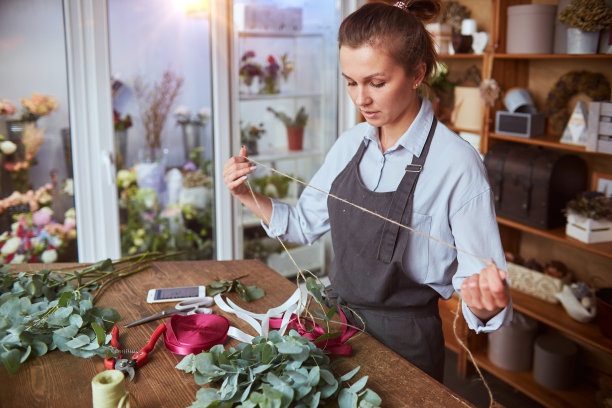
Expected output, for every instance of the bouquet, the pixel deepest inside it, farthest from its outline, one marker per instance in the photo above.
(38, 105)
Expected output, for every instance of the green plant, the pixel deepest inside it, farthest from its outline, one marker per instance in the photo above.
(250, 133)
(591, 204)
(49, 309)
(587, 15)
(300, 120)
(273, 185)
(280, 371)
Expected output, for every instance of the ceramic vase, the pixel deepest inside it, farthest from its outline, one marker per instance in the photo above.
(582, 42)
(295, 138)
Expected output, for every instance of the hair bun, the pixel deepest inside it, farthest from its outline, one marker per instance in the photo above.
(425, 10)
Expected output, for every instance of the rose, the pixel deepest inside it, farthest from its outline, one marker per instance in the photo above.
(10, 246)
(49, 256)
(7, 108)
(42, 217)
(8, 147)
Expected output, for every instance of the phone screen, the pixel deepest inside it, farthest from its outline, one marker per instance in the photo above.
(176, 293)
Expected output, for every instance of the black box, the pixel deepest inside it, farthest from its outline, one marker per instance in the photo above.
(519, 124)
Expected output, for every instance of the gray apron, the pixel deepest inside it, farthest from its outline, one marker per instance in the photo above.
(368, 271)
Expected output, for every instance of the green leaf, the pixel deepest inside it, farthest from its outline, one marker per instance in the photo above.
(78, 341)
(64, 298)
(289, 348)
(207, 395)
(39, 347)
(371, 397)
(359, 384)
(25, 354)
(347, 399)
(267, 353)
(254, 293)
(187, 364)
(10, 359)
(76, 320)
(350, 374)
(315, 289)
(100, 335)
(327, 336)
(68, 331)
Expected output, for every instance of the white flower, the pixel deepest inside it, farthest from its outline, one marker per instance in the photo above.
(8, 147)
(204, 114)
(69, 187)
(182, 111)
(10, 246)
(18, 259)
(49, 256)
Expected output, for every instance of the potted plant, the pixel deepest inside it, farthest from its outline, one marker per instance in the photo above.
(589, 217)
(295, 126)
(585, 18)
(249, 135)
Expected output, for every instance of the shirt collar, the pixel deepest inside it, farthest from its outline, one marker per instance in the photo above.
(415, 136)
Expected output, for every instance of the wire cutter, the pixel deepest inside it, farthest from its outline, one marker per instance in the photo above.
(139, 358)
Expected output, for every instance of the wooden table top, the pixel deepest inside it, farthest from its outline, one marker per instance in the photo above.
(62, 380)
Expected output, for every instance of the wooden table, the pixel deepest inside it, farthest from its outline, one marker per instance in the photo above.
(62, 380)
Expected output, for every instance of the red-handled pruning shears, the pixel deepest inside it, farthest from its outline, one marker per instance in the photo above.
(139, 358)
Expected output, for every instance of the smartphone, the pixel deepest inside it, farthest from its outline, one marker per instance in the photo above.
(175, 294)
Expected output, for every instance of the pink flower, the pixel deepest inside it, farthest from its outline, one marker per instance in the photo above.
(42, 217)
(6, 108)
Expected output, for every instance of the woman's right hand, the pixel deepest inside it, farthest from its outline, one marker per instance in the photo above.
(235, 173)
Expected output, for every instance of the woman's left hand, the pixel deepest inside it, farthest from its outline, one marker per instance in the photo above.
(486, 293)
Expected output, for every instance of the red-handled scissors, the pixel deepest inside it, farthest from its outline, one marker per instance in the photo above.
(139, 358)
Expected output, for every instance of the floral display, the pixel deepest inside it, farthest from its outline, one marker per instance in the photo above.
(6, 146)
(184, 117)
(587, 15)
(591, 204)
(38, 105)
(36, 237)
(6, 107)
(19, 167)
(286, 66)
(34, 199)
(249, 135)
(270, 77)
(249, 70)
(121, 123)
(147, 227)
(490, 91)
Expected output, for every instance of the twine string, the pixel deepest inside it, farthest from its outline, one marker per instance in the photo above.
(428, 236)
(108, 390)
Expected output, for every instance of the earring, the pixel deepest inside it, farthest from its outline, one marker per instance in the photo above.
(417, 85)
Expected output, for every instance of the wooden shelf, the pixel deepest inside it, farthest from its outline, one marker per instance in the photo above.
(558, 234)
(554, 315)
(552, 56)
(461, 56)
(551, 141)
(582, 395)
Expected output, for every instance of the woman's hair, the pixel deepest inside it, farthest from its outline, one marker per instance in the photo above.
(399, 29)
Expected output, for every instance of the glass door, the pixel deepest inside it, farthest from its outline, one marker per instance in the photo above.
(160, 67)
(37, 214)
(285, 93)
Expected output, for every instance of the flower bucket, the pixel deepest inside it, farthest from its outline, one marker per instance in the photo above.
(582, 42)
(295, 138)
(588, 230)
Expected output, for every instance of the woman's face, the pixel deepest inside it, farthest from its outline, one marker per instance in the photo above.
(379, 87)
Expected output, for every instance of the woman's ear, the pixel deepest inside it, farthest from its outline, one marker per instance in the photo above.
(419, 74)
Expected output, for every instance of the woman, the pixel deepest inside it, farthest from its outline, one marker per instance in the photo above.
(405, 166)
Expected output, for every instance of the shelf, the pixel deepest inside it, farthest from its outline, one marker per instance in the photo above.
(553, 56)
(554, 315)
(550, 141)
(558, 234)
(461, 56)
(582, 395)
(283, 154)
(292, 95)
(278, 34)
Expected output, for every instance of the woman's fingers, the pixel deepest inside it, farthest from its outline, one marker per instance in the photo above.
(486, 290)
(235, 171)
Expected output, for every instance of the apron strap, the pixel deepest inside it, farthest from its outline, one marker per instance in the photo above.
(402, 200)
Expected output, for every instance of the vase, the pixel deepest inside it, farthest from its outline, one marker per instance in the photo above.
(192, 132)
(121, 148)
(150, 170)
(15, 133)
(582, 42)
(18, 178)
(252, 147)
(295, 138)
(269, 85)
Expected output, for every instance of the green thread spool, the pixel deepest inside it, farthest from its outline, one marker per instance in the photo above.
(108, 390)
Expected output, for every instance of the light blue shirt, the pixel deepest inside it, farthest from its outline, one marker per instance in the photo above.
(452, 202)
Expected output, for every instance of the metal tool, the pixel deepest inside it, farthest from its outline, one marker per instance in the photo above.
(186, 307)
(138, 359)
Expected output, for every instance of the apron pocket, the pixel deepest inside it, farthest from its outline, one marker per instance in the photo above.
(414, 248)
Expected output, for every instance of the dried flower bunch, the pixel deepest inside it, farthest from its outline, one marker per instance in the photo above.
(587, 15)
(300, 120)
(591, 204)
(155, 102)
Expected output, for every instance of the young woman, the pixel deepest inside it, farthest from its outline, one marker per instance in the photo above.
(404, 165)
